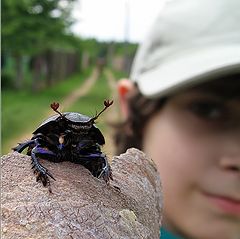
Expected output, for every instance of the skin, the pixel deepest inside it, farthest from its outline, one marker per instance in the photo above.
(195, 142)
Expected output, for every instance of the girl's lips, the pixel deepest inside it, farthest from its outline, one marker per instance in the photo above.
(226, 204)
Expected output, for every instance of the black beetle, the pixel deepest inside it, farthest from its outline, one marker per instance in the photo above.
(68, 136)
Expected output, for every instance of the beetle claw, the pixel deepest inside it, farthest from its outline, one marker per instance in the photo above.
(106, 174)
(50, 175)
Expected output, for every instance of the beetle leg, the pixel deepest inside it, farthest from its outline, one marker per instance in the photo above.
(21, 146)
(106, 172)
(97, 164)
(42, 172)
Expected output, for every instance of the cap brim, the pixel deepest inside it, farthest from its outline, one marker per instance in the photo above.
(190, 69)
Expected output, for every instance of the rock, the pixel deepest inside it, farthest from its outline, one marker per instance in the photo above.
(80, 205)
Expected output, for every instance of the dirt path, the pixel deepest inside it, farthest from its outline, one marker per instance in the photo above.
(79, 92)
(65, 104)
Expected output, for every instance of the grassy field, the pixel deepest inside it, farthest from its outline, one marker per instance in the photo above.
(23, 111)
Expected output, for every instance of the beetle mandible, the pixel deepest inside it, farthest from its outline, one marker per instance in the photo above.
(68, 136)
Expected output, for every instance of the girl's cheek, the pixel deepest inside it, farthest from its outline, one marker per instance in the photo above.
(177, 151)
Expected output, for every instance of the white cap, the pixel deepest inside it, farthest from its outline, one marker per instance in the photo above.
(191, 41)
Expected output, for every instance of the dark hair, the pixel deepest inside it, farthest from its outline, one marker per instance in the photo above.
(130, 133)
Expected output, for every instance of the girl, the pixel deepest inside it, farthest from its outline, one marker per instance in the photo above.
(182, 108)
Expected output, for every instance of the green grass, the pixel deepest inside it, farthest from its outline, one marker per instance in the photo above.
(119, 74)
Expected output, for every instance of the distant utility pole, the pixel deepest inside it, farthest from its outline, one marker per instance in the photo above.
(127, 21)
(126, 36)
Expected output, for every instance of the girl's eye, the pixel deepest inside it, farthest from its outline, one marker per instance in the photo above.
(208, 110)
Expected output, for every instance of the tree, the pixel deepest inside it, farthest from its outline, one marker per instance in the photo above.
(30, 27)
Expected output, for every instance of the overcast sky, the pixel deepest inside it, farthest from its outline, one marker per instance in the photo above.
(115, 19)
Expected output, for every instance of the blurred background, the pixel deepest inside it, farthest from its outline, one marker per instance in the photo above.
(67, 51)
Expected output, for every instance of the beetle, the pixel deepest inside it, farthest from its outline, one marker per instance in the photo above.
(68, 136)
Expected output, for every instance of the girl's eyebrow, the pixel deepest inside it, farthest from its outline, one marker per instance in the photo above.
(201, 93)
(232, 101)
(206, 95)
(222, 91)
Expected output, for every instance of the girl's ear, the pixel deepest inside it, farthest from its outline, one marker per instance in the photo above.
(125, 86)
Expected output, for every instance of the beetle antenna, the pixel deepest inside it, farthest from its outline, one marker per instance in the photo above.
(55, 106)
(107, 103)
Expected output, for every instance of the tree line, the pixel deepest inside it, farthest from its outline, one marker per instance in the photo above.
(38, 48)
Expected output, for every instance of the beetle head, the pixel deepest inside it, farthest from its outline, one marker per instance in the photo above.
(86, 124)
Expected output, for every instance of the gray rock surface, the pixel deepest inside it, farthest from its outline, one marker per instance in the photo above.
(80, 205)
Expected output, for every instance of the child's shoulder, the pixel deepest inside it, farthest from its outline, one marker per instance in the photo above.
(164, 234)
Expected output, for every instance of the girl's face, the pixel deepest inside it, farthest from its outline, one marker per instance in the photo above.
(195, 142)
